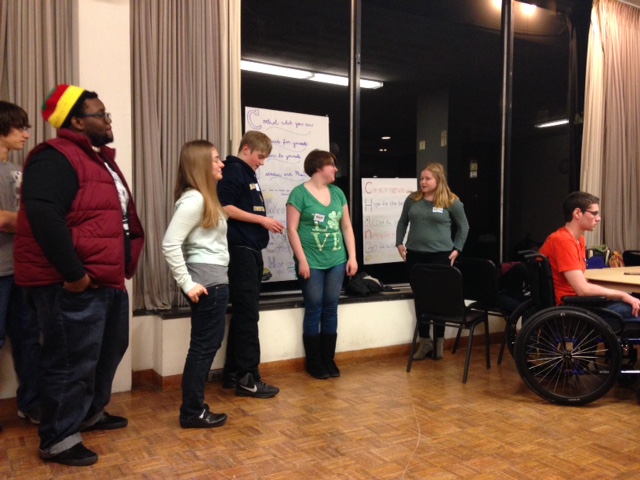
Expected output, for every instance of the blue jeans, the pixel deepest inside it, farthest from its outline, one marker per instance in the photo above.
(243, 342)
(621, 308)
(207, 332)
(18, 321)
(84, 336)
(321, 293)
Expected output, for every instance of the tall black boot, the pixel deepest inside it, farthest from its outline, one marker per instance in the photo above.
(315, 368)
(328, 349)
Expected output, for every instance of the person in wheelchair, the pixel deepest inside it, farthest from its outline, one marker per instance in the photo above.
(566, 251)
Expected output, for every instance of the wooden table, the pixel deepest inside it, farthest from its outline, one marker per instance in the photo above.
(617, 278)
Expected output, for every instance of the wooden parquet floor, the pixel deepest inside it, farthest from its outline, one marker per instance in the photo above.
(376, 421)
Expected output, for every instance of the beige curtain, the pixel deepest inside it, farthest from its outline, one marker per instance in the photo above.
(185, 68)
(611, 145)
(36, 54)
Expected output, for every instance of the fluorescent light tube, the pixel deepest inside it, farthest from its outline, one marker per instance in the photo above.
(304, 74)
(274, 70)
(553, 123)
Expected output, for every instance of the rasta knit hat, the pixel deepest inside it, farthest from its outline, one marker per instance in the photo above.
(59, 103)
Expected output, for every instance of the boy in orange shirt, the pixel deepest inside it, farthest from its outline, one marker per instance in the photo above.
(566, 251)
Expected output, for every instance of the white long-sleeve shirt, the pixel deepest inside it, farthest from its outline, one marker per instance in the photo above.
(186, 242)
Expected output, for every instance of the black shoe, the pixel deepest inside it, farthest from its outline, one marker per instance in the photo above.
(332, 369)
(76, 456)
(205, 420)
(34, 415)
(248, 387)
(107, 422)
(229, 380)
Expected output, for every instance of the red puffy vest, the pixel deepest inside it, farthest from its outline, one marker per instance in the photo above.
(95, 221)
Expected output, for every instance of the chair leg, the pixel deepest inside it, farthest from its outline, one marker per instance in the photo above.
(457, 342)
(468, 359)
(487, 341)
(503, 344)
(413, 346)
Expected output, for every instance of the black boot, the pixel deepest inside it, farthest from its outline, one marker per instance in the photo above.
(314, 362)
(328, 349)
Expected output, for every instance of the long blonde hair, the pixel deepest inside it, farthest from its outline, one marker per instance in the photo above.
(195, 172)
(443, 196)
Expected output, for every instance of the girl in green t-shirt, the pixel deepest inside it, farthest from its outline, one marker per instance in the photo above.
(323, 243)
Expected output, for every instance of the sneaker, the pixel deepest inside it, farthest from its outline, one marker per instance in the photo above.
(106, 422)
(76, 456)
(206, 420)
(248, 387)
(34, 415)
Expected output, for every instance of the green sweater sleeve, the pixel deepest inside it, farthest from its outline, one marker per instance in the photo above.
(403, 222)
(459, 219)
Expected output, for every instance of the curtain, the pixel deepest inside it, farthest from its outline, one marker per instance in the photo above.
(611, 145)
(36, 54)
(185, 69)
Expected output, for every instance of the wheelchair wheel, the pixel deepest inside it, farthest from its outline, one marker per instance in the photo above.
(568, 356)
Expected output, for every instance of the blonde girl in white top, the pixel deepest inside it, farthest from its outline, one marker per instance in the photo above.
(195, 248)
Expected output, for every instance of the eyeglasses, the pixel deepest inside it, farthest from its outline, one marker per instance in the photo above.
(595, 214)
(105, 115)
(24, 129)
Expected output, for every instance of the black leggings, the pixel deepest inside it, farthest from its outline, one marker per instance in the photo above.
(432, 258)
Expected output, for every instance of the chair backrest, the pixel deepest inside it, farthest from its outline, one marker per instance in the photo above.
(631, 258)
(480, 280)
(540, 280)
(437, 292)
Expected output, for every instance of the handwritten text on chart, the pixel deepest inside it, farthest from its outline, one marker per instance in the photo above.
(382, 201)
(293, 136)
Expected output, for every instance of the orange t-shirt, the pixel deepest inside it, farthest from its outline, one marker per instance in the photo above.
(565, 254)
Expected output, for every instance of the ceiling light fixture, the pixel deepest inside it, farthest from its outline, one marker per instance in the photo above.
(274, 70)
(304, 74)
(552, 123)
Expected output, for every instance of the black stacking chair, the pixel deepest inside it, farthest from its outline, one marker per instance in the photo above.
(631, 258)
(438, 297)
(481, 285)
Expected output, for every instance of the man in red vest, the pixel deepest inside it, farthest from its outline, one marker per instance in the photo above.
(78, 238)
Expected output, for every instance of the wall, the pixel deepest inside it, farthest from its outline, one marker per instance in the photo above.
(161, 345)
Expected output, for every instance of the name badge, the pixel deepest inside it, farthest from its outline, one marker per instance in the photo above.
(438, 210)
(318, 218)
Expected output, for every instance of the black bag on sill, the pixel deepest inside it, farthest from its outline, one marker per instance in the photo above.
(363, 284)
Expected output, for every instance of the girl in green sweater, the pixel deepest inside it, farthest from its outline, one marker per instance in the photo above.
(431, 212)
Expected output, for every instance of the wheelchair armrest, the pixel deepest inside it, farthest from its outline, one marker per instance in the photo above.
(584, 301)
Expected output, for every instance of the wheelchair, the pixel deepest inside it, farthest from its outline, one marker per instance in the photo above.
(569, 354)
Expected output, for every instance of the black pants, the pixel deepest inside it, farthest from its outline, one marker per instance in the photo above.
(243, 345)
(432, 258)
